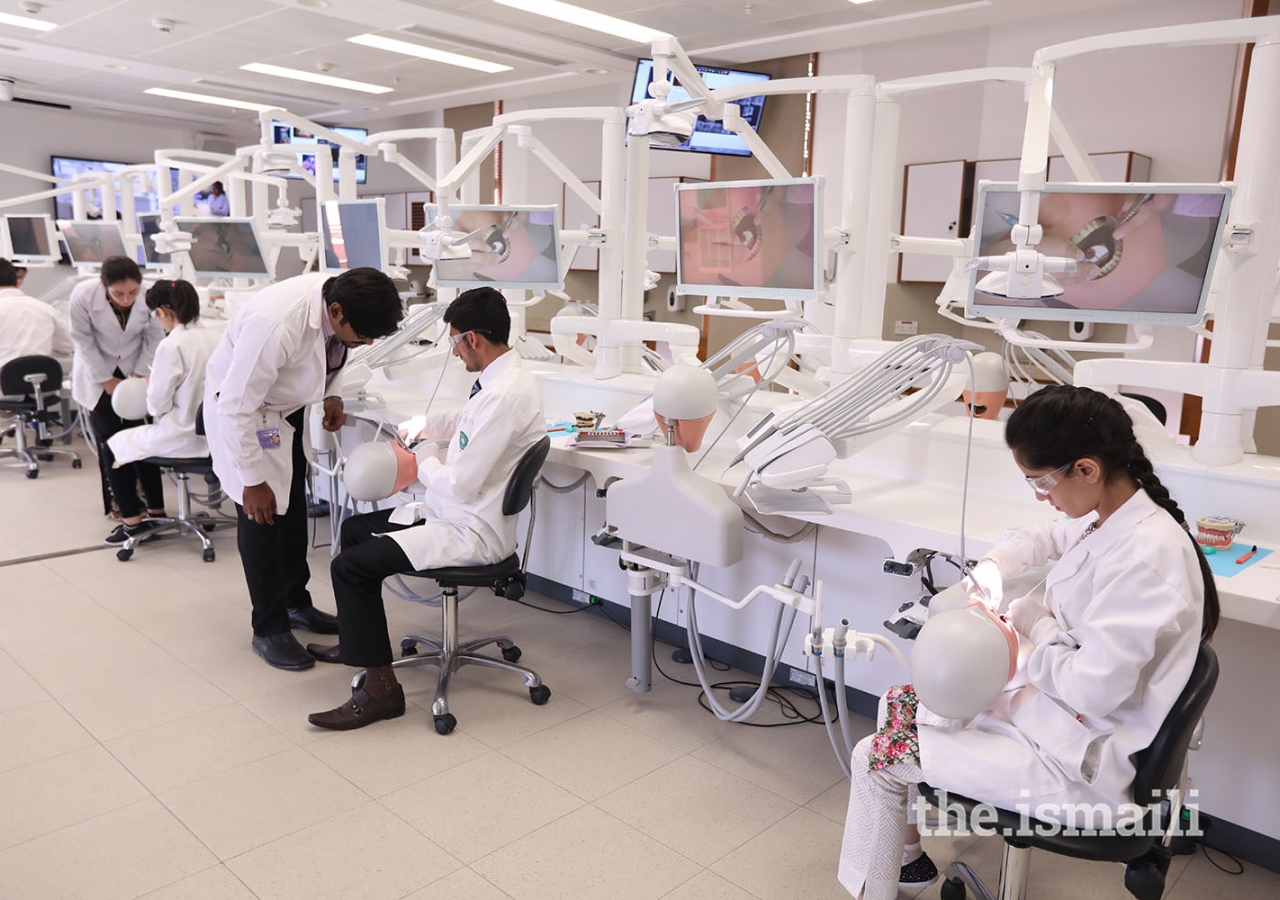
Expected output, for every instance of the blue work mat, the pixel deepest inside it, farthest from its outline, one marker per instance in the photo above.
(1224, 561)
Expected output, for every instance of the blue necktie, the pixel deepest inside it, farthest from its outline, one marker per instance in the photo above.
(475, 389)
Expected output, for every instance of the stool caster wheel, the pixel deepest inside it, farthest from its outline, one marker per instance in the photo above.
(445, 723)
(952, 889)
(209, 526)
(77, 464)
(209, 555)
(540, 694)
(408, 648)
(511, 654)
(124, 554)
(33, 473)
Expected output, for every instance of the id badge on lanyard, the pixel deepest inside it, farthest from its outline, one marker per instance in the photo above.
(268, 438)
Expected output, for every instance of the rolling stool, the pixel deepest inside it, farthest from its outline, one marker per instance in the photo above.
(1160, 769)
(23, 378)
(506, 579)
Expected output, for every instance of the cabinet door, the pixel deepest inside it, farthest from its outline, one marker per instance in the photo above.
(932, 197)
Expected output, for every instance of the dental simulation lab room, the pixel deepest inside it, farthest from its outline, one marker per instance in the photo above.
(639, 450)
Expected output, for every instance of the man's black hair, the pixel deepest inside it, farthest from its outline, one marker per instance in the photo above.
(120, 268)
(8, 274)
(369, 300)
(483, 310)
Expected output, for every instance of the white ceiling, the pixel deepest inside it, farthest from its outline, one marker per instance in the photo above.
(105, 53)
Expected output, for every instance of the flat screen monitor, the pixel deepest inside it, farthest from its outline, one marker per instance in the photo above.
(224, 248)
(1144, 252)
(74, 167)
(149, 227)
(91, 243)
(284, 133)
(760, 239)
(352, 235)
(708, 136)
(32, 239)
(511, 247)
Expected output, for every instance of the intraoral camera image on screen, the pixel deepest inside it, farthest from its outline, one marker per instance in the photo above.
(511, 247)
(90, 243)
(31, 239)
(1144, 252)
(708, 136)
(756, 239)
(149, 227)
(351, 232)
(224, 248)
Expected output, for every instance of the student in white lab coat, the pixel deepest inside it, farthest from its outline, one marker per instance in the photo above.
(115, 337)
(174, 394)
(28, 327)
(1126, 605)
(283, 351)
(459, 522)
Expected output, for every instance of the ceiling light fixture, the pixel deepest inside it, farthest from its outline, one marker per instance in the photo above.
(119, 67)
(313, 78)
(585, 18)
(378, 42)
(20, 22)
(207, 99)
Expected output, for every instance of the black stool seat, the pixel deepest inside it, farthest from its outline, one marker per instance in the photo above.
(474, 576)
(181, 463)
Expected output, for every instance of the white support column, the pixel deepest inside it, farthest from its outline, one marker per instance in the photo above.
(855, 200)
(612, 198)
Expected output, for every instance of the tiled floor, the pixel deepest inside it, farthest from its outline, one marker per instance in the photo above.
(146, 752)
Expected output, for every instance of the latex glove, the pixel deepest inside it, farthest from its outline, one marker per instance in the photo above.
(1033, 620)
(984, 584)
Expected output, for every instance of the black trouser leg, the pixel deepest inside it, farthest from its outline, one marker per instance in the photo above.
(357, 574)
(122, 482)
(275, 556)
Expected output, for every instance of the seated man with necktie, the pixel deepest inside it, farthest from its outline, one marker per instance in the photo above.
(459, 521)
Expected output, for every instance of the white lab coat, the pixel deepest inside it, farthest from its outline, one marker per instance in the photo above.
(102, 346)
(31, 327)
(463, 524)
(174, 394)
(1128, 602)
(269, 364)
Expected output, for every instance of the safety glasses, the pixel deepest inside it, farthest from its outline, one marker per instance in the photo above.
(1042, 484)
(455, 339)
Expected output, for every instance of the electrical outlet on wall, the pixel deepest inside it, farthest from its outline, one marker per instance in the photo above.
(902, 326)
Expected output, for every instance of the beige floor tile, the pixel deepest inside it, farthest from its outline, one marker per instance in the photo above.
(797, 857)
(38, 731)
(364, 852)
(27, 577)
(717, 812)
(114, 654)
(117, 856)
(594, 676)
(394, 754)
(544, 637)
(227, 659)
(794, 761)
(832, 803)
(1255, 884)
(194, 748)
(591, 754)
(669, 712)
(499, 713)
(463, 884)
(49, 795)
(287, 708)
(586, 855)
(17, 688)
(153, 696)
(57, 616)
(285, 792)
(1185, 890)
(707, 885)
(480, 805)
(214, 883)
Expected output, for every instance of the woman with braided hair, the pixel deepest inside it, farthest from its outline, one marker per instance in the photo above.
(1113, 633)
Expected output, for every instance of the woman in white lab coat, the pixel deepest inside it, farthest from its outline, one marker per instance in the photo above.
(1114, 637)
(114, 337)
(174, 394)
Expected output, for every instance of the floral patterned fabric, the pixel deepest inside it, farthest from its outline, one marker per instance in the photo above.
(897, 741)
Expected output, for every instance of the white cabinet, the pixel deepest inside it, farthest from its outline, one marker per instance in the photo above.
(933, 197)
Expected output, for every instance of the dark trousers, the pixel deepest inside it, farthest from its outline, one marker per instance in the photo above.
(123, 481)
(275, 556)
(357, 573)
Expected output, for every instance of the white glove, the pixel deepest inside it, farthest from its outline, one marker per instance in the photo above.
(1032, 620)
(984, 584)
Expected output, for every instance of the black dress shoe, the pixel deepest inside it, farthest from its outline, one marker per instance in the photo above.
(308, 618)
(282, 651)
(361, 710)
(326, 653)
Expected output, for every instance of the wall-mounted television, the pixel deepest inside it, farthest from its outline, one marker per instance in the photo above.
(72, 167)
(283, 133)
(708, 136)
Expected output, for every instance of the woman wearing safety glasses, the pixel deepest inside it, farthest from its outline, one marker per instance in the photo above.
(1113, 631)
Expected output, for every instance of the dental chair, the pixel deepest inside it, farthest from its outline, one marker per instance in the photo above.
(182, 468)
(506, 579)
(22, 382)
(1160, 769)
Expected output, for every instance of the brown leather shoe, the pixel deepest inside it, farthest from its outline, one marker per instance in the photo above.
(361, 710)
(329, 653)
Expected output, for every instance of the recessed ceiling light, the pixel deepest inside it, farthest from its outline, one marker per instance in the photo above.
(314, 4)
(119, 67)
(378, 42)
(585, 18)
(595, 70)
(208, 99)
(313, 78)
(21, 22)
